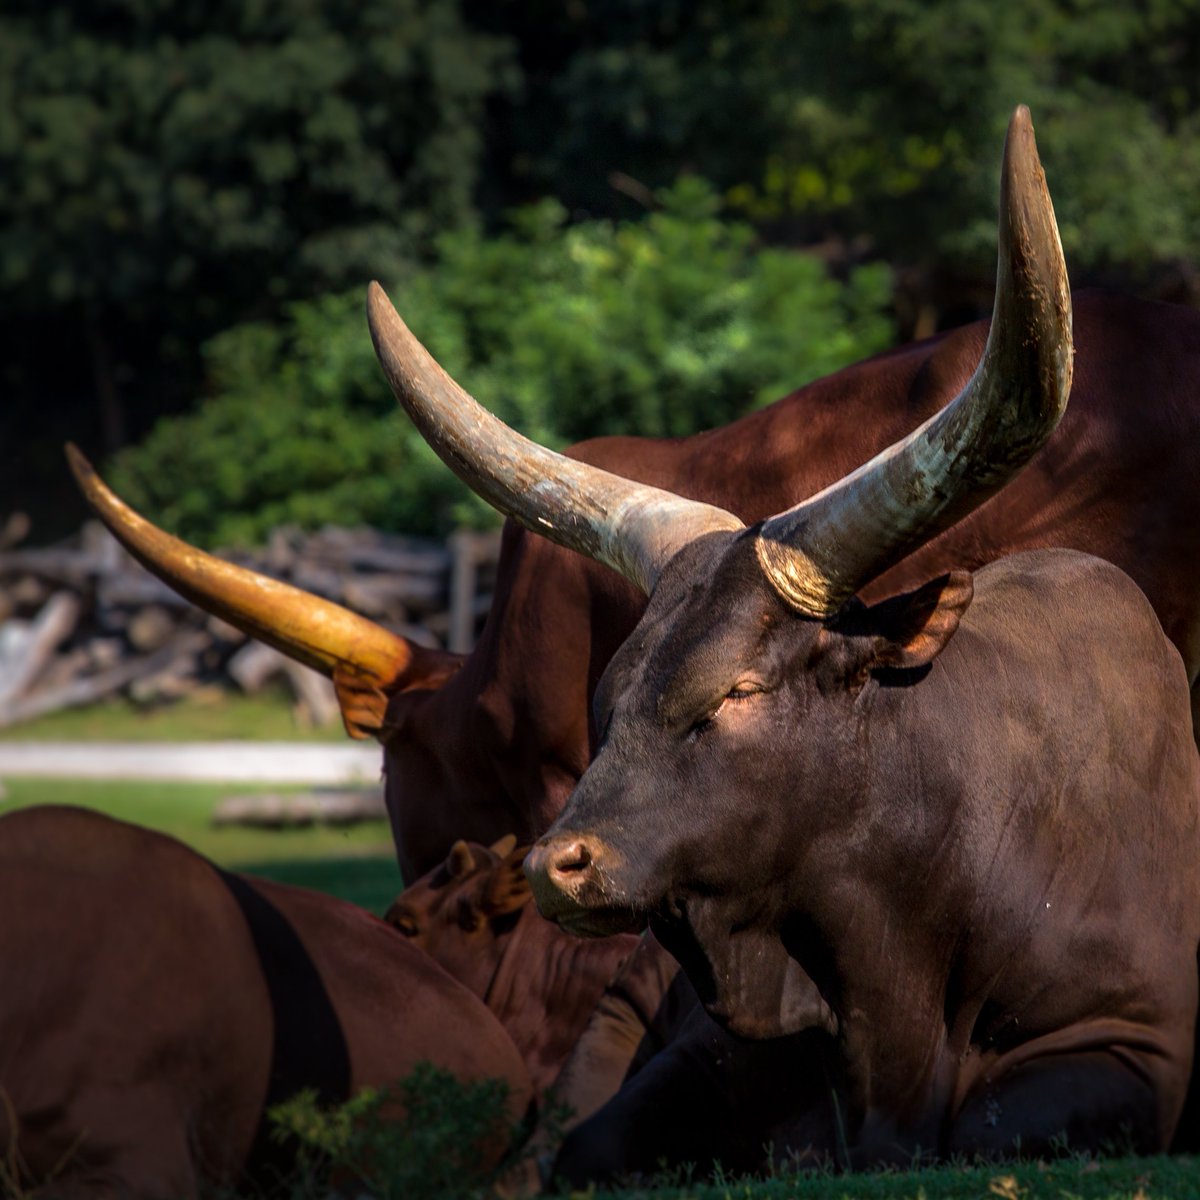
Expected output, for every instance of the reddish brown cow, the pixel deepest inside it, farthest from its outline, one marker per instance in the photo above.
(153, 1006)
(499, 744)
(474, 916)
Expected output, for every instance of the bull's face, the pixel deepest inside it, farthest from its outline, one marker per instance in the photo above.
(463, 912)
(732, 740)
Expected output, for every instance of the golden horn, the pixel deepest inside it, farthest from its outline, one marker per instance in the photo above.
(355, 652)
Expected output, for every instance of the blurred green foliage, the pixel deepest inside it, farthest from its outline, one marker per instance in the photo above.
(883, 118)
(172, 170)
(661, 327)
(224, 154)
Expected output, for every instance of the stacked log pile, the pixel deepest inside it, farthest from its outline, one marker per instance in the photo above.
(81, 622)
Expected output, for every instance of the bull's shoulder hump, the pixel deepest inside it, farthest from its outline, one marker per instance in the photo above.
(1054, 570)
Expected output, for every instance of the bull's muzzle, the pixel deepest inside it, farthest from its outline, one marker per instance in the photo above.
(571, 879)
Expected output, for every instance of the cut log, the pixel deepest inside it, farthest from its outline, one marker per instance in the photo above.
(52, 626)
(255, 664)
(150, 628)
(319, 807)
(96, 687)
(15, 529)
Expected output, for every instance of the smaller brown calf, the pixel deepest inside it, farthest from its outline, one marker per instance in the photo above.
(152, 1007)
(473, 915)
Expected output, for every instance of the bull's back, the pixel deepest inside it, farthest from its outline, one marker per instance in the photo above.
(1112, 480)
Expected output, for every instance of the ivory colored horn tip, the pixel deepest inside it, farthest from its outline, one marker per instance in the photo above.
(1021, 159)
(379, 308)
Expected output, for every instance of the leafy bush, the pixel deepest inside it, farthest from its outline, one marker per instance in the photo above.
(433, 1152)
(675, 323)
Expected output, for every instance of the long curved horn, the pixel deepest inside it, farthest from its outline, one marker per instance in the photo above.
(362, 658)
(631, 527)
(820, 552)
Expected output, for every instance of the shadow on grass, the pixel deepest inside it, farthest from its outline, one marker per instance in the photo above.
(370, 882)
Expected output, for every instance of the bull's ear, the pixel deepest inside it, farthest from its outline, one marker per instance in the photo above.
(461, 860)
(507, 888)
(912, 630)
(504, 846)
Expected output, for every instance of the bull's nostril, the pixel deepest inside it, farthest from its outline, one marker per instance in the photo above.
(576, 857)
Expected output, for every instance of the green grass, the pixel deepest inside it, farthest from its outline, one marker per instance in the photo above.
(357, 863)
(207, 716)
(1066, 1179)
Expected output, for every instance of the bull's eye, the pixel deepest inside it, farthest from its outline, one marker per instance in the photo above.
(404, 923)
(744, 688)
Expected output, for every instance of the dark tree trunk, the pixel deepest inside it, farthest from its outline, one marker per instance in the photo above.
(112, 407)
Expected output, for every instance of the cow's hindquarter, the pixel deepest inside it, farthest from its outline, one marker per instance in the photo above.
(134, 1032)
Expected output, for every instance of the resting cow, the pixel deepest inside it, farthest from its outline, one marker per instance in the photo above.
(474, 916)
(153, 1006)
(498, 744)
(954, 832)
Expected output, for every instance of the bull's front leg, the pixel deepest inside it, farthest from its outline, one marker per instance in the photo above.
(1125, 1096)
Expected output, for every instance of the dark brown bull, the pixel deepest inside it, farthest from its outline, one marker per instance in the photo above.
(954, 834)
(151, 1006)
(951, 835)
(498, 744)
(475, 917)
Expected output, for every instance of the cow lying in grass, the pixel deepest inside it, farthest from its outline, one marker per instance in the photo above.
(954, 835)
(153, 1007)
(474, 916)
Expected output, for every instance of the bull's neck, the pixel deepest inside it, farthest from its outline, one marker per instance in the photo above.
(545, 987)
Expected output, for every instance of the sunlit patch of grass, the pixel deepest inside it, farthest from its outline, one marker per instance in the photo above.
(356, 863)
(207, 716)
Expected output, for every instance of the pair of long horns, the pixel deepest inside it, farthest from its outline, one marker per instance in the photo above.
(820, 552)
(816, 554)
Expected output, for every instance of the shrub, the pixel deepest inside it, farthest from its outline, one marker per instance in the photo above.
(660, 327)
(433, 1152)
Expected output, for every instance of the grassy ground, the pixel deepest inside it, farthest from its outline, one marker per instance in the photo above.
(1069, 1179)
(207, 716)
(357, 864)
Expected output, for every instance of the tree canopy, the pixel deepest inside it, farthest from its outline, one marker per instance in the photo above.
(666, 325)
(174, 169)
